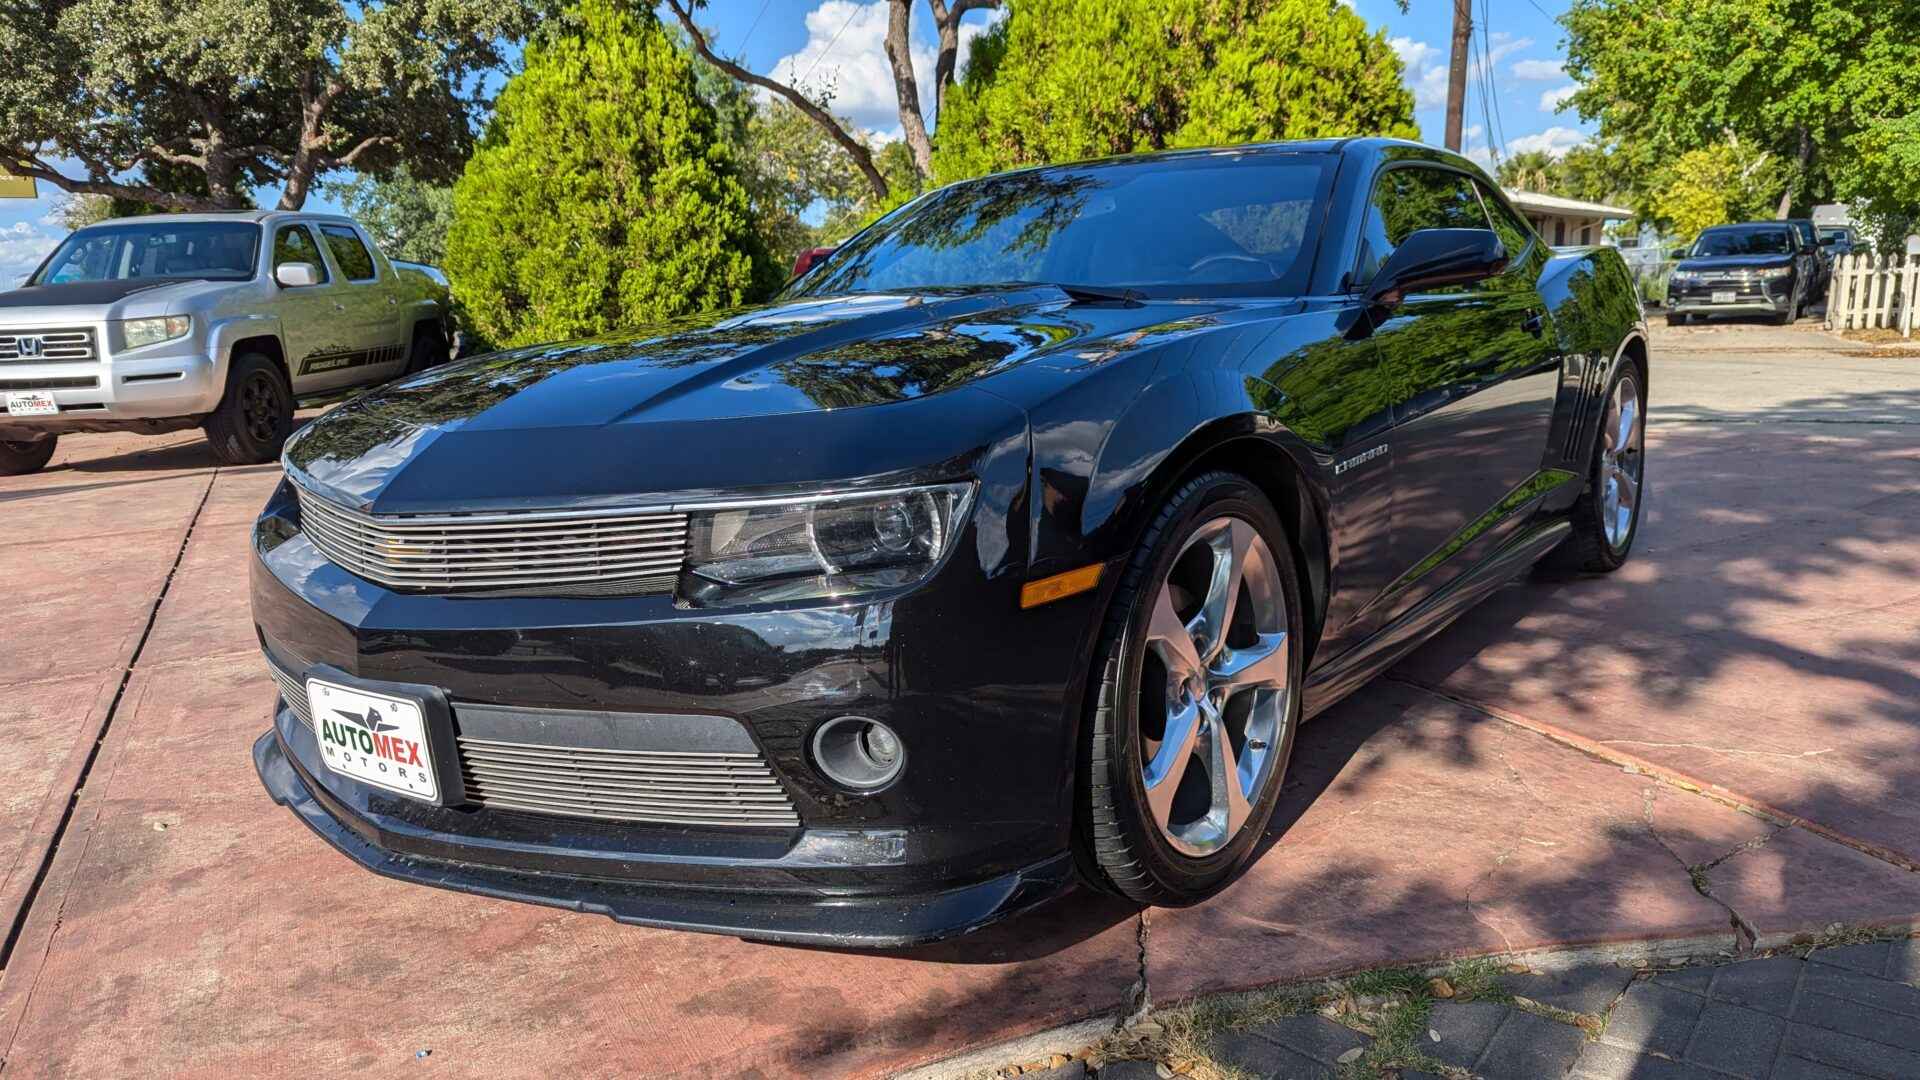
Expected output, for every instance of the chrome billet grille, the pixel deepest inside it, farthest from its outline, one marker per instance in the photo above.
(292, 691)
(48, 346)
(529, 553)
(624, 785)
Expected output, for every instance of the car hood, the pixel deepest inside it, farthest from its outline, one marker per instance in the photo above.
(89, 301)
(797, 393)
(1735, 262)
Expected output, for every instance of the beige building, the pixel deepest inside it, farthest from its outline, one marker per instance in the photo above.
(1566, 222)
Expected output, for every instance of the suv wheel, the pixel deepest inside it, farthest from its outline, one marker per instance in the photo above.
(1199, 669)
(20, 458)
(256, 416)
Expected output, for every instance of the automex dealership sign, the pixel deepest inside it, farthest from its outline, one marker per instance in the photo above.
(17, 187)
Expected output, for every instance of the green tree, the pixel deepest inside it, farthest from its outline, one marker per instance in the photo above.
(1727, 181)
(602, 195)
(1530, 170)
(1880, 178)
(408, 216)
(1796, 79)
(240, 93)
(1059, 80)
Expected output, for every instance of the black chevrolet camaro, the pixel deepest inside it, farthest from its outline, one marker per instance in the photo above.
(1007, 548)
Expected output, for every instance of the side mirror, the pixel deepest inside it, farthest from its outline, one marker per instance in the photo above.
(1431, 258)
(1677, 254)
(808, 258)
(296, 275)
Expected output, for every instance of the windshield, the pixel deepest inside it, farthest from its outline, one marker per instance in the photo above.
(1222, 224)
(163, 249)
(1743, 242)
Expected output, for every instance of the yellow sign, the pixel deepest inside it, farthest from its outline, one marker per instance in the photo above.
(17, 187)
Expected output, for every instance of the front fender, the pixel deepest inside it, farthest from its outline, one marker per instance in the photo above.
(229, 332)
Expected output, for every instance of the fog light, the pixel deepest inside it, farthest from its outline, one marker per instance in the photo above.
(858, 753)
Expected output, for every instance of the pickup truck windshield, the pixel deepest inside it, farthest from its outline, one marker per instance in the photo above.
(215, 250)
(1219, 224)
(1742, 242)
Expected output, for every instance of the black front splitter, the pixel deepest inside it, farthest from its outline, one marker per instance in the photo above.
(859, 922)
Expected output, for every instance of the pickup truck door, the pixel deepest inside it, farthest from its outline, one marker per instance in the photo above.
(310, 325)
(370, 313)
(1475, 369)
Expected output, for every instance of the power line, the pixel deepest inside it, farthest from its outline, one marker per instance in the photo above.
(755, 25)
(836, 40)
(1486, 76)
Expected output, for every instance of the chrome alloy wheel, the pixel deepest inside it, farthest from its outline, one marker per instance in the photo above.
(1622, 448)
(1214, 688)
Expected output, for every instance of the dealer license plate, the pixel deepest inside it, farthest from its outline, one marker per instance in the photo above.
(373, 738)
(1723, 296)
(31, 403)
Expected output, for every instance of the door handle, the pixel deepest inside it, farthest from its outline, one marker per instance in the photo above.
(1534, 323)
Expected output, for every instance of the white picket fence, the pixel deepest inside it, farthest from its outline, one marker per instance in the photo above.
(1873, 292)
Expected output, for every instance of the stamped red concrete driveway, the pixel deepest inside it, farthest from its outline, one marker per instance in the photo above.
(1524, 780)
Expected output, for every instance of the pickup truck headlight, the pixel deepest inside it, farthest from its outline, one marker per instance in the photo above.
(831, 545)
(142, 332)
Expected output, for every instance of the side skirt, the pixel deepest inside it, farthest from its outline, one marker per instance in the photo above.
(1350, 671)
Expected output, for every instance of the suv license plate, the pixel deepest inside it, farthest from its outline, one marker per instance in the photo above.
(31, 403)
(1723, 296)
(374, 738)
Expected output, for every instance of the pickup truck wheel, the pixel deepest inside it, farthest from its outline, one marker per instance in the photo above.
(255, 418)
(20, 458)
(429, 350)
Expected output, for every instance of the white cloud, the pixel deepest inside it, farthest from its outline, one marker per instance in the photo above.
(1551, 100)
(21, 248)
(1555, 141)
(1426, 65)
(1538, 70)
(845, 57)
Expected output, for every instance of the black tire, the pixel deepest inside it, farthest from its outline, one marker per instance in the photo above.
(1589, 549)
(1675, 319)
(429, 350)
(1121, 849)
(21, 458)
(1787, 317)
(255, 417)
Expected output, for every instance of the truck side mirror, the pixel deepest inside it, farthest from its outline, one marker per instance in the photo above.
(296, 275)
(1677, 254)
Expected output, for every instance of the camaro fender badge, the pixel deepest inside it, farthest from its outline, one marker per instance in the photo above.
(1360, 459)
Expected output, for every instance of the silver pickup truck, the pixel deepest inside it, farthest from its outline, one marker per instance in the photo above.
(219, 321)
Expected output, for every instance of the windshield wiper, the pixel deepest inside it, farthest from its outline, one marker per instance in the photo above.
(1092, 294)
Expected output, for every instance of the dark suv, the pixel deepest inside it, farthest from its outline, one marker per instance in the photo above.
(1755, 268)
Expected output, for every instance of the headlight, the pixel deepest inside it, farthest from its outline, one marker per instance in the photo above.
(831, 545)
(1775, 272)
(1681, 277)
(139, 332)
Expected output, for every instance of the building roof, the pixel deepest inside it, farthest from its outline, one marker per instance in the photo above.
(1554, 204)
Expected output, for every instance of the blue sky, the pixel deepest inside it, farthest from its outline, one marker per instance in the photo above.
(836, 45)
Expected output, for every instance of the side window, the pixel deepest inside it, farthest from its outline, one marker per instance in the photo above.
(1513, 232)
(1407, 200)
(295, 244)
(349, 253)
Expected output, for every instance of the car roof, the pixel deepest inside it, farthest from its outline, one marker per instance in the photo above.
(258, 217)
(1367, 146)
(1749, 226)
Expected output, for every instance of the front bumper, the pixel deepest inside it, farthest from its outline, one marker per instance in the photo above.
(1771, 297)
(885, 921)
(153, 390)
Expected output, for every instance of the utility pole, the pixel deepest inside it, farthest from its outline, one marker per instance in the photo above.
(1457, 71)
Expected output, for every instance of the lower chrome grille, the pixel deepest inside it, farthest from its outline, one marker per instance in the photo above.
(604, 553)
(47, 346)
(725, 790)
(671, 788)
(293, 692)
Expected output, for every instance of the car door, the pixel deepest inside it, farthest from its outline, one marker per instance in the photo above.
(370, 306)
(309, 314)
(1475, 372)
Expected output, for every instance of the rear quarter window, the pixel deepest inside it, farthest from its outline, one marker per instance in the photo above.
(352, 256)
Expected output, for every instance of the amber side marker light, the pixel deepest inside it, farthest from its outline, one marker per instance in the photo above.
(1060, 586)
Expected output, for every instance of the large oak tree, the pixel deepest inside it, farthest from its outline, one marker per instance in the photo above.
(99, 96)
